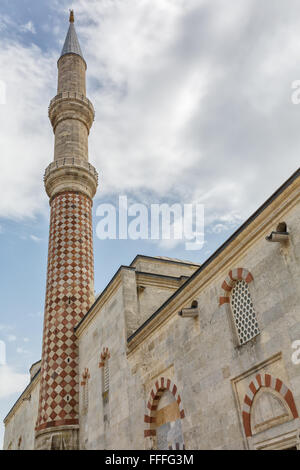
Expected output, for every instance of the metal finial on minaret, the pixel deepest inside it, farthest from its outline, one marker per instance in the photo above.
(71, 16)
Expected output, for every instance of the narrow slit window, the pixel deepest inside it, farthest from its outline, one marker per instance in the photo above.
(86, 396)
(85, 391)
(105, 381)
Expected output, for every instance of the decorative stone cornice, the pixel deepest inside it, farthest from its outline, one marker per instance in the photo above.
(158, 280)
(71, 105)
(56, 429)
(70, 174)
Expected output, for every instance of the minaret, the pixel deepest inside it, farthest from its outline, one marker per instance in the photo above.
(70, 182)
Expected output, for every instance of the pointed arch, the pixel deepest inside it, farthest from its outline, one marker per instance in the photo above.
(104, 356)
(265, 380)
(85, 376)
(161, 385)
(237, 274)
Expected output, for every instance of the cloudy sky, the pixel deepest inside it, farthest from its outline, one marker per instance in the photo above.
(193, 104)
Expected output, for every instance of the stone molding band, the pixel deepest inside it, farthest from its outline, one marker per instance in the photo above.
(71, 105)
(70, 174)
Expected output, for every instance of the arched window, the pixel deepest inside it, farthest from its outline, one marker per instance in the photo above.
(168, 422)
(243, 312)
(236, 293)
(164, 417)
(86, 397)
(85, 393)
(268, 409)
(104, 365)
(105, 381)
(267, 403)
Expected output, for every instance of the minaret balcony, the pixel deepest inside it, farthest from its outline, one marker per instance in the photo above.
(71, 105)
(70, 174)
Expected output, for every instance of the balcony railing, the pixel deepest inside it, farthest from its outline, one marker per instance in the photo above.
(71, 162)
(72, 95)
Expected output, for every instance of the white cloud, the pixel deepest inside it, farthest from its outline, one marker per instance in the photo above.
(24, 129)
(192, 102)
(36, 315)
(4, 327)
(35, 239)
(22, 351)
(169, 244)
(11, 338)
(182, 110)
(11, 381)
(28, 28)
(218, 228)
(5, 22)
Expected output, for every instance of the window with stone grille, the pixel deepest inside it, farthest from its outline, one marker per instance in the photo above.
(243, 312)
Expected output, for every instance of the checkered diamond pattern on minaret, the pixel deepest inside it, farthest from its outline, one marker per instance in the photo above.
(69, 294)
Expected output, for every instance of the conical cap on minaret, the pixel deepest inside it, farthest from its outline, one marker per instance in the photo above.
(71, 45)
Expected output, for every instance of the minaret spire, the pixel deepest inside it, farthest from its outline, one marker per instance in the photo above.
(71, 183)
(71, 45)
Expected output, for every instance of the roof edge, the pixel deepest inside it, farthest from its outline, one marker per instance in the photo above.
(164, 260)
(23, 393)
(219, 250)
(100, 296)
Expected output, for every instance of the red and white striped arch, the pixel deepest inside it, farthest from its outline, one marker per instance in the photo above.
(103, 356)
(158, 389)
(237, 274)
(265, 380)
(85, 376)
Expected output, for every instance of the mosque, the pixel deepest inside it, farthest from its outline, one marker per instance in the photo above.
(171, 355)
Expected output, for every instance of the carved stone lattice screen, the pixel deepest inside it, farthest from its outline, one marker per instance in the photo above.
(243, 312)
